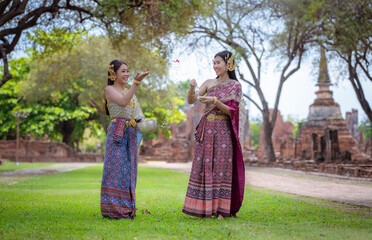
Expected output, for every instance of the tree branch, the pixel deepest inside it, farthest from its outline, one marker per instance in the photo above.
(250, 99)
(7, 76)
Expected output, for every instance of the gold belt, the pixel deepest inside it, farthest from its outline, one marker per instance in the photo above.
(212, 117)
(131, 122)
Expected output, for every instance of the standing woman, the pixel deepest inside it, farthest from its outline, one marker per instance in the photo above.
(119, 178)
(216, 185)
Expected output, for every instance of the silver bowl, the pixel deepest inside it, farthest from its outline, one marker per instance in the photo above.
(147, 126)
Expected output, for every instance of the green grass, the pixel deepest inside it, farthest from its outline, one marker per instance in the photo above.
(11, 166)
(66, 206)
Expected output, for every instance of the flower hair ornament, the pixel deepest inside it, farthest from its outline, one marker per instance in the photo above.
(110, 69)
(230, 61)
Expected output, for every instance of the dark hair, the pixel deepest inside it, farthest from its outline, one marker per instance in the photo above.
(223, 55)
(117, 64)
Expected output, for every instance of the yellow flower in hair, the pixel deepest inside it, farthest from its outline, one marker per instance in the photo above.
(230, 61)
(110, 69)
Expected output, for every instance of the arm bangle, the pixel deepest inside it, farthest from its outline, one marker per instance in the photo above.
(214, 100)
(136, 82)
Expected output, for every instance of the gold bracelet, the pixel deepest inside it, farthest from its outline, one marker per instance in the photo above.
(214, 100)
(136, 82)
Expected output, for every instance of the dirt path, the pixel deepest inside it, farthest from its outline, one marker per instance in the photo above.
(52, 169)
(337, 188)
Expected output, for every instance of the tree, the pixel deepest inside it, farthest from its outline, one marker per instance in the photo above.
(77, 65)
(149, 21)
(244, 26)
(347, 31)
(53, 117)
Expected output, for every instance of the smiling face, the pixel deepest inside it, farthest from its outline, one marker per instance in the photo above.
(219, 65)
(122, 74)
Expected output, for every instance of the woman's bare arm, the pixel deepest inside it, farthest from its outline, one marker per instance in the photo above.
(115, 96)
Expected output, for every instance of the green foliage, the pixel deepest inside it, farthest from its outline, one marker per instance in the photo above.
(296, 127)
(297, 123)
(66, 206)
(366, 129)
(58, 39)
(163, 105)
(255, 130)
(183, 87)
(347, 24)
(46, 117)
(299, 20)
(151, 21)
(81, 71)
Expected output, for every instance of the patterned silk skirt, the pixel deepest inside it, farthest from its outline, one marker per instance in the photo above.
(119, 178)
(209, 190)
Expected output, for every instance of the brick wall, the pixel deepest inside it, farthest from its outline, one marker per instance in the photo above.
(44, 151)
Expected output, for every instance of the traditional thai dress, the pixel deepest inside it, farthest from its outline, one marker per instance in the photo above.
(216, 184)
(118, 199)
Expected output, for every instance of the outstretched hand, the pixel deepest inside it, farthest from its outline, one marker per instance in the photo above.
(139, 77)
(193, 84)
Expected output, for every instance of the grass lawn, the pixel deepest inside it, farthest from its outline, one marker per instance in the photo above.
(66, 206)
(11, 166)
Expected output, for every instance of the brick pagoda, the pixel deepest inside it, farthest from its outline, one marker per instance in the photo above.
(325, 137)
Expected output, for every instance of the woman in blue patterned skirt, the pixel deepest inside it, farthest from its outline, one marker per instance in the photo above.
(119, 178)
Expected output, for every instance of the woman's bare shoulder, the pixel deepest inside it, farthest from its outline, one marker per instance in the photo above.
(108, 87)
(209, 82)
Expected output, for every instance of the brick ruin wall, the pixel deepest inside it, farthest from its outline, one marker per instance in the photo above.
(44, 151)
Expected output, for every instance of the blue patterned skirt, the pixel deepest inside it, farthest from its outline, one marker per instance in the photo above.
(118, 199)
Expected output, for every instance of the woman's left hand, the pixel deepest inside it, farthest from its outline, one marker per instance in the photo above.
(206, 100)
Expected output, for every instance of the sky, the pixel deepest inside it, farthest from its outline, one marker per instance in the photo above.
(298, 92)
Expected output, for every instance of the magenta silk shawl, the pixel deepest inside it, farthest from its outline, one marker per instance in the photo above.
(230, 93)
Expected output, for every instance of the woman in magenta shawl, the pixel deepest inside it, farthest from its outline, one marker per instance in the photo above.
(216, 185)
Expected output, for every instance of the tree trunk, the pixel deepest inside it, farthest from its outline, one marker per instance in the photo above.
(360, 95)
(267, 136)
(66, 129)
(354, 80)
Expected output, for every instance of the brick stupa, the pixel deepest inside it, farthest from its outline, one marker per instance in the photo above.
(325, 136)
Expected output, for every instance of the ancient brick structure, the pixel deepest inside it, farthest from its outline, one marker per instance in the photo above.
(44, 151)
(352, 123)
(282, 137)
(326, 137)
(326, 142)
